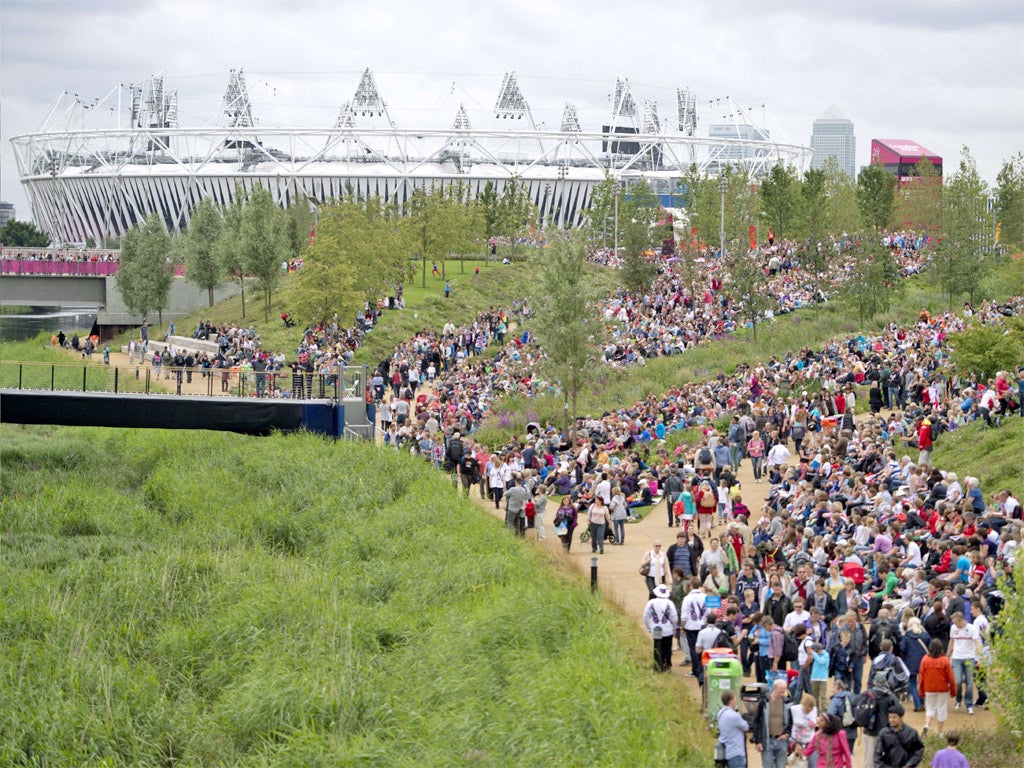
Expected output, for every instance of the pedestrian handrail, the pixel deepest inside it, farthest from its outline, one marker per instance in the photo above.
(161, 380)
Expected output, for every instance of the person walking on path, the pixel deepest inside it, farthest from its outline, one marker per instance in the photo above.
(772, 726)
(515, 507)
(936, 683)
(898, 744)
(673, 487)
(732, 729)
(964, 647)
(829, 743)
(657, 567)
(693, 612)
(598, 520)
(565, 522)
(661, 620)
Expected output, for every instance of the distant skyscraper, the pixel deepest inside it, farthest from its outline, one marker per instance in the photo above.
(832, 136)
(6, 213)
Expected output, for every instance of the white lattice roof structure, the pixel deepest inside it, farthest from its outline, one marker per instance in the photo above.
(94, 182)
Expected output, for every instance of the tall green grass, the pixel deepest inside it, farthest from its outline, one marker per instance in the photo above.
(991, 455)
(197, 599)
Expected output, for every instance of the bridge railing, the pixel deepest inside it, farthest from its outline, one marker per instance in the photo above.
(194, 381)
(59, 268)
(36, 267)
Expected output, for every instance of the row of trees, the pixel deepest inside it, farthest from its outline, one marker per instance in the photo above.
(360, 247)
(248, 240)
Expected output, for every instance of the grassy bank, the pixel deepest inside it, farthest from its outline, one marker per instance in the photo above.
(991, 455)
(205, 599)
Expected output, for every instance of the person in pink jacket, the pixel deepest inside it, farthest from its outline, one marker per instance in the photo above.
(830, 744)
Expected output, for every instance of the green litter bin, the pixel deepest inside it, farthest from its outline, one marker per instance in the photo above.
(722, 674)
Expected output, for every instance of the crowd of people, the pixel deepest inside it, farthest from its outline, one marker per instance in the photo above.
(66, 255)
(872, 569)
(674, 315)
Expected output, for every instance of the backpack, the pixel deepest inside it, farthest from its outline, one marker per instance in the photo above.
(864, 707)
(790, 648)
(723, 640)
(897, 674)
(704, 457)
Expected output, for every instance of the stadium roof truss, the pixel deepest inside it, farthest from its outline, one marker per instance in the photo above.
(99, 182)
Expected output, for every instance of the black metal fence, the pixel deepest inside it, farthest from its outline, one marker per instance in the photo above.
(238, 381)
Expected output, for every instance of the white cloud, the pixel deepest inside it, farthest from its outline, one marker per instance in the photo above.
(942, 72)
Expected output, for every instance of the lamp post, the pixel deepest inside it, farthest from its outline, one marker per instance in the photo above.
(723, 183)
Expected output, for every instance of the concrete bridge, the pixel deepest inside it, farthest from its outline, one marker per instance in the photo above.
(99, 290)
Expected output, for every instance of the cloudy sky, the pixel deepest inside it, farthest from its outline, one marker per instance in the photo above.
(940, 72)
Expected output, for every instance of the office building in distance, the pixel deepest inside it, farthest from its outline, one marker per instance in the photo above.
(832, 137)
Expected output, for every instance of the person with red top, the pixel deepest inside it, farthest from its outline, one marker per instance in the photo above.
(924, 441)
(936, 683)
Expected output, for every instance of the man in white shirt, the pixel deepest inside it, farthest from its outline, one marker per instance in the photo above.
(963, 650)
(604, 488)
(707, 638)
(692, 612)
(799, 615)
(777, 456)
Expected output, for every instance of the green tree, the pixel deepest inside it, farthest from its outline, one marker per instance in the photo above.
(603, 210)
(489, 200)
(876, 197)
(814, 217)
(780, 199)
(702, 205)
(200, 245)
(264, 243)
(919, 201)
(874, 280)
(842, 212)
(440, 223)
(1004, 676)
(984, 349)
(638, 214)
(1010, 202)
(23, 234)
(359, 252)
(229, 248)
(146, 271)
(747, 286)
(959, 263)
(300, 218)
(565, 302)
(515, 211)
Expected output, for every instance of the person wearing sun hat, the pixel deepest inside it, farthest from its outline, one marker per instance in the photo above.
(661, 620)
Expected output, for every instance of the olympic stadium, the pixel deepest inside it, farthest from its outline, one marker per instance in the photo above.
(96, 178)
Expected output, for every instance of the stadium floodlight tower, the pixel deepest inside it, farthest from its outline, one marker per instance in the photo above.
(651, 127)
(511, 104)
(238, 110)
(368, 102)
(686, 110)
(153, 108)
(461, 139)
